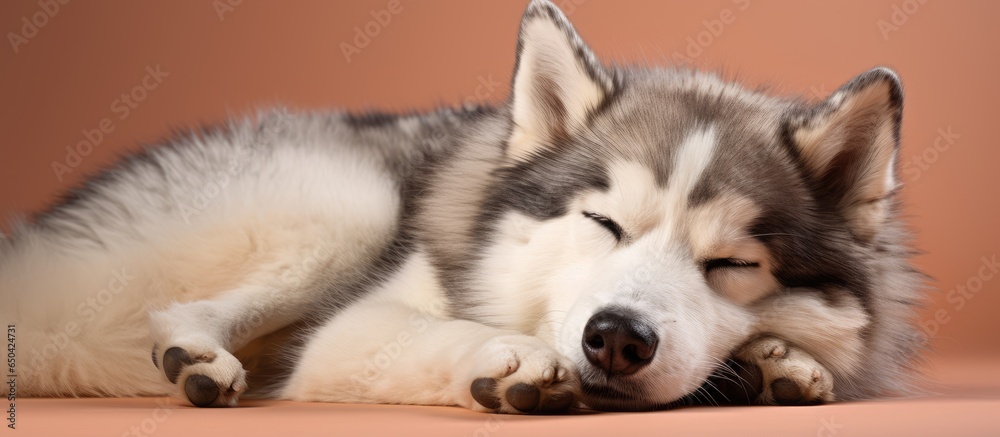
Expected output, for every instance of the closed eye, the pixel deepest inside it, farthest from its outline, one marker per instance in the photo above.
(607, 223)
(724, 263)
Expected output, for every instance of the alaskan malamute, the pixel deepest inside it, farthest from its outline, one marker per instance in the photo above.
(609, 238)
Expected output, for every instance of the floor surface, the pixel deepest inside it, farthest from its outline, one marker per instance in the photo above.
(966, 403)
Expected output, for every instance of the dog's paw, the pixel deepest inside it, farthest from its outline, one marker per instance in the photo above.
(789, 375)
(521, 374)
(205, 377)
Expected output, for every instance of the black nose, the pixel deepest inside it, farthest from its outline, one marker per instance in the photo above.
(618, 343)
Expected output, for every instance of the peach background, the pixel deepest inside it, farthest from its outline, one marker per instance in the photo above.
(64, 80)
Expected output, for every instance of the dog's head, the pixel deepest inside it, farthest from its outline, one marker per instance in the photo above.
(651, 221)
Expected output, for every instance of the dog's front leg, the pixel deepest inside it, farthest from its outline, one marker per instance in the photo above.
(384, 352)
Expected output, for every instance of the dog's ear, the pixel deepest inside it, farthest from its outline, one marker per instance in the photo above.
(557, 81)
(849, 146)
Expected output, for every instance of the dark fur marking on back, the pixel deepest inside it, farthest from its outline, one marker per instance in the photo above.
(367, 120)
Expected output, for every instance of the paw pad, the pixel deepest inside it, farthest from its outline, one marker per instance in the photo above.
(201, 390)
(175, 360)
(484, 391)
(786, 391)
(524, 397)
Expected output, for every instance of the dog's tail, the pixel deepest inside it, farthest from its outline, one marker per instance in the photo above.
(70, 330)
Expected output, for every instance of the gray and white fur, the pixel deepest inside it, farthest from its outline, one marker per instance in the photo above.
(609, 238)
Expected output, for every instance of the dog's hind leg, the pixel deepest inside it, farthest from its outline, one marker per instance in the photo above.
(309, 221)
(193, 341)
